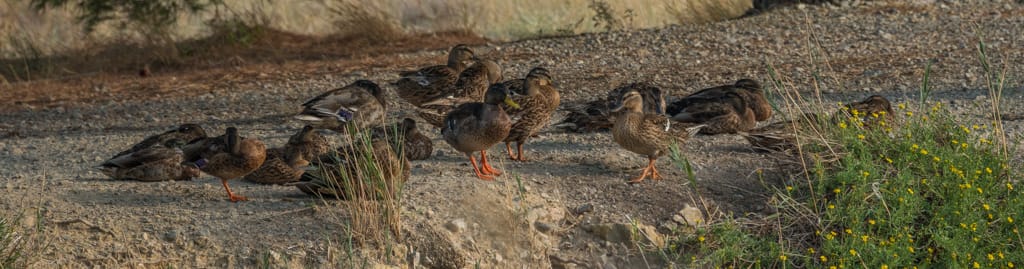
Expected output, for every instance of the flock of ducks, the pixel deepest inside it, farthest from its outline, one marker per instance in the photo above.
(475, 108)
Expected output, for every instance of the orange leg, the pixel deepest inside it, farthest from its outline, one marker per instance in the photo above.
(476, 169)
(487, 166)
(654, 170)
(232, 196)
(649, 170)
(508, 148)
(519, 151)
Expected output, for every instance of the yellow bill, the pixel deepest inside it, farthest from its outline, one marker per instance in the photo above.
(509, 102)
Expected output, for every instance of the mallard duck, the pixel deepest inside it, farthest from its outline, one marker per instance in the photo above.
(646, 134)
(286, 164)
(871, 111)
(594, 115)
(538, 102)
(342, 174)
(415, 145)
(722, 112)
(185, 132)
(361, 103)
(417, 87)
(151, 164)
(470, 87)
(779, 136)
(226, 157)
(750, 90)
(477, 126)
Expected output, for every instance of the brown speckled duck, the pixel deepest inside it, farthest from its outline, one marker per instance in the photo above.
(723, 112)
(425, 84)
(185, 132)
(286, 164)
(594, 115)
(750, 90)
(779, 136)
(227, 157)
(361, 103)
(476, 126)
(537, 102)
(415, 145)
(337, 172)
(871, 111)
(149, 164)
(646, 134)
(470, 87)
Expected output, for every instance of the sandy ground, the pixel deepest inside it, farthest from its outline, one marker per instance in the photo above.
(575, 182)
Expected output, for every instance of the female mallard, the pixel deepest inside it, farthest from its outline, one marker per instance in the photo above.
(151, 164)
(420, 86)
(594, 115)
(286, 164)
(346, 174)
(644, 133)
(872, 111)
(361, 103)
(750, 90)
(722, 113)
(185, 132)
(779, 136)
(415, 145)
(536, 104)
(470, 87)
(477, 126)
(227, 157)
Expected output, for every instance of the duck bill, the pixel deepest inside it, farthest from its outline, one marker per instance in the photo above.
(509, 102)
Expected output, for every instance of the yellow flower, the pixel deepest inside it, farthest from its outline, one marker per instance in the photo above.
(831, 206)
(977, 265)
(914, 147)
(860, 136)
(864, 238)
(963, 145)
(901, 106)
(980, 191)
(1010, 220)
(700, 238)
(988, 170)
(865, 173)
(985, 206)
(924, 152)
(991, 257)
(810, 250)
(842, 125)
(836, 190)
(853, 252)
(789, 188)
(885, 266)
(910, 114)
(911, 249)
(924, 181)
(1009, 264)
(1009, 186)
(871, 221)
(823, 258)
(936, 159)
(975, 127)
(849, 231)
(888, 160)
(910, 191)
(783, 257)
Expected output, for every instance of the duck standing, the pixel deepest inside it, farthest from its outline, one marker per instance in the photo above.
(538, 102)
(227, 157)
(476, 126)
(646, 134)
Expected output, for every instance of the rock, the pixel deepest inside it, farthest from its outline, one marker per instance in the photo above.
(543, 227)
(456, 225)
(611, 232)
(691, 216)
(584, 208)
(651, 235)
(171, 236)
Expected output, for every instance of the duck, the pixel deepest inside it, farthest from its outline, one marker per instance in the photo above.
(723, 112)
(594, 115)
(227, 157)
(425, 84)
(477, 126)
(415, 145)
(872, 111)
(470, 87)
(286, 164)
(360, 103)
(337, 172)
(150, 164)
(646, 133)
(537, 102)
(749, 89)
(186, 132)
(780, 136)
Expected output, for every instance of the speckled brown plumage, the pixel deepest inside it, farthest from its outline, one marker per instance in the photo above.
(646, 134)
(360, 103)
(724, 112)
(417, 87)
(149, 164)
(748, 89)
(594, 115)
(415, 145)
(345, 174)
(227, 157)
(470, 87)
(477, 126)
(537, 102)
(286, 164)
(185, 132)
(871, 111)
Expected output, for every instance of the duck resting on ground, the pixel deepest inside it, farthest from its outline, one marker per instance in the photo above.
(360, 103)
(425, 84)
(150, 164)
